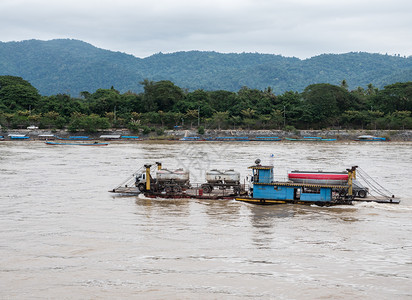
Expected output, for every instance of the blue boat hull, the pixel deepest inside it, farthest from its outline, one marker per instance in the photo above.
(75, 138)
(76, 144)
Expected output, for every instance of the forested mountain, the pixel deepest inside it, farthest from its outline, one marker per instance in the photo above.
(72, 66)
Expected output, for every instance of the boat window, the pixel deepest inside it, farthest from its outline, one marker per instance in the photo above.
(296, 194)
(311, 190)
(256, 176)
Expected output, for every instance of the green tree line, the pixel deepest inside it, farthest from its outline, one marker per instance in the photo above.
(164, 105)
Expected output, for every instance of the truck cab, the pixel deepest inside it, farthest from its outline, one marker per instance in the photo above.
(140, 181)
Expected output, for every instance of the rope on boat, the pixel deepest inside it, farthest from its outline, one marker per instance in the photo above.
(130, 178)
(373, 184)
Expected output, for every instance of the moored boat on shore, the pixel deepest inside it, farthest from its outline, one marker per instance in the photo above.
(311, 139)
(131, 137)
(74, 138)
(231, 139)
(369, 138)
(75, 144)
(191, 139)
(266, 138)
(109, 137)
(46, 137)
(18, 137)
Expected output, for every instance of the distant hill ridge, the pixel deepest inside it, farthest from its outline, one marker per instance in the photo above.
(71, 66)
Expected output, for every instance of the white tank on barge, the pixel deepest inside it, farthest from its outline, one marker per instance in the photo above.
(164, 180)
(228, 176)
(178, 175)
(223, 179)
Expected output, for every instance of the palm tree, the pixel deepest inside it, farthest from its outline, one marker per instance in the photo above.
(277, 117)
(344, 84)
(192, 114)
(220, 117)
(248, 113)
(235, 120)
(371, 89)
(162, 116)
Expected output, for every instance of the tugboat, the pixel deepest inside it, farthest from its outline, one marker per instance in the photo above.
(317, 190)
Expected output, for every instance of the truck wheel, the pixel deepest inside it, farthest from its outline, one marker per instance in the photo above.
(177, 189)
(141, 187)
(236, 190)
(362, 194)
(207, 188)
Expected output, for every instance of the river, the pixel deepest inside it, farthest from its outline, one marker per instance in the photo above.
(63, 235)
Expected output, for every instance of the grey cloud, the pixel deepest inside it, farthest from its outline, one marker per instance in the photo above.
(291, 28)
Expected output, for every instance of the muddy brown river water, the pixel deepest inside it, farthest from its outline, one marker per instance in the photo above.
(63, 235)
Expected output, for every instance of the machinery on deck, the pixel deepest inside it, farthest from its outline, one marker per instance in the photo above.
(164, 180)
(331, 178)
(222, 179)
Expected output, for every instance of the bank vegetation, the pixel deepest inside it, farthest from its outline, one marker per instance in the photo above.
(164, 105)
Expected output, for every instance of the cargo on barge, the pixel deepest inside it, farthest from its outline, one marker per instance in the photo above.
(154, 181)
(302, 187)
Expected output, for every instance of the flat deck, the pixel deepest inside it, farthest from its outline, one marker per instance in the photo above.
(193, 193)
(216, 194)
(132, 191)
(321, 203)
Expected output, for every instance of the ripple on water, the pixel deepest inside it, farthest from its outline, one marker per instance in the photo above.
(66, 235)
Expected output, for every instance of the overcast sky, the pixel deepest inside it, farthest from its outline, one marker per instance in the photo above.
(301, 28)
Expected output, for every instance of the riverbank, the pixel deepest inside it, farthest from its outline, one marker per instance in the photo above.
(343, 135)
(394, 135)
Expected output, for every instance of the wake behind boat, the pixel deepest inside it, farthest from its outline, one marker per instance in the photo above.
(76, 144)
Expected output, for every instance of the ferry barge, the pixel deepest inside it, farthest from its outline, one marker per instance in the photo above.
(302, 187)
